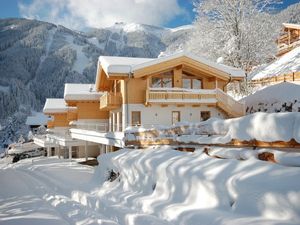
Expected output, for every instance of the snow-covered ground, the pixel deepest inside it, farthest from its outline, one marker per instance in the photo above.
(282, 97)
(286, 64)
(153, 186)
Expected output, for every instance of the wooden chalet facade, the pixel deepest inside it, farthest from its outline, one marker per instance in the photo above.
(138, 92)
(288, 39)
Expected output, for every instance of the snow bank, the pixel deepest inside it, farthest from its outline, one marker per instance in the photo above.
(186, 188)
(288, 63)
(267, 127)
(280, 97)
(286, 158)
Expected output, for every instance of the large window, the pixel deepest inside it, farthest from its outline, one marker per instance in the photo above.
(164, 80)
(191, 82)
(136, 118)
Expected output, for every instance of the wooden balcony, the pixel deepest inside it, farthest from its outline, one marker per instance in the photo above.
(202, 97)
(180, 96)
(110, 100)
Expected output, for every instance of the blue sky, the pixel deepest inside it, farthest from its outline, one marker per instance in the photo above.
(182, 12)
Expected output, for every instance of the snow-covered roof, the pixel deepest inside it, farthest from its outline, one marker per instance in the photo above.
(115, 64)
(81, 92)
(56, 105)
(291, 25)
(128, 65)
(288, 63)
(18, 148)
(37, 119)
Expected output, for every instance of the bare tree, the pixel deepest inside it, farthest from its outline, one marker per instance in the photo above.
(241, 32)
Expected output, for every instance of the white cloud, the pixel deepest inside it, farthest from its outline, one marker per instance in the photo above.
(101, 13)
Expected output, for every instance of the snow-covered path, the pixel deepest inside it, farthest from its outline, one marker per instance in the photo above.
(39, 193)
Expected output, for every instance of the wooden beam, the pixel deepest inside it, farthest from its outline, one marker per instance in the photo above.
(177, 77)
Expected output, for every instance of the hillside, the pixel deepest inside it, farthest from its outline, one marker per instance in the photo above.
(36, 58)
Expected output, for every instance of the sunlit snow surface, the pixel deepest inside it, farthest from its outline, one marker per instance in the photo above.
(155, 186)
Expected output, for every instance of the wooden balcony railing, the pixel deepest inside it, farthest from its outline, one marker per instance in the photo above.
(204, 96)
(229, 104)
(110, 100)
(180, 96)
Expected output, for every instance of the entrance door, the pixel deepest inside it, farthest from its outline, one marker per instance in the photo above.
(175, 117)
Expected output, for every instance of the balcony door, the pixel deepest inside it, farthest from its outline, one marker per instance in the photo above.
(175, 117)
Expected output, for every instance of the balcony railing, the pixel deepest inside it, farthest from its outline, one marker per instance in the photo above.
(229, 104)
(284, 47)
(180, 95)
(110, 100)
(189, 96)
(99, 127)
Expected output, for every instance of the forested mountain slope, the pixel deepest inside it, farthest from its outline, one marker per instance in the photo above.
(37, 58)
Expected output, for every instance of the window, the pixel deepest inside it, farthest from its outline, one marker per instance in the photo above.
(186, 83)
(167, 82)
(191, 82)
(196, 84)
(136, 117)
(175, 117)
(205, 115)
(164, 80)
(156, 82)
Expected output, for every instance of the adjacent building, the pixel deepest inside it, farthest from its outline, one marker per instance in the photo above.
(289, 38)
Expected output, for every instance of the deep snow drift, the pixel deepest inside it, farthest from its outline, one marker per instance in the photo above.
(268, 127)
(153, 186)
(280, 97)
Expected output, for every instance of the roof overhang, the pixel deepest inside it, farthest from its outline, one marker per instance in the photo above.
(291, 26)
(109, 68)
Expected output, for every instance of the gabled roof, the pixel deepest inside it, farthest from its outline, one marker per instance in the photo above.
(81, 92)
(127, 65)
(292, 25)
(56, 105)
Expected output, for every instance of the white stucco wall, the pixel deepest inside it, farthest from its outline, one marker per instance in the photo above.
(157, 115)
